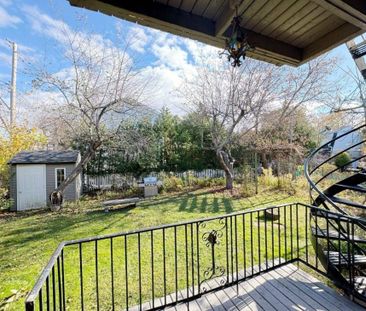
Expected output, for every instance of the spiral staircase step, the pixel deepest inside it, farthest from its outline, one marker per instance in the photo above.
(342, 255)
(326, 215)
(360, 284)
(347, 202)
(353, 180)
(342, 259)
(334, 235)
(351, 187)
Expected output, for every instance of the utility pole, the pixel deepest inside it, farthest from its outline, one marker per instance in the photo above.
(13, 87)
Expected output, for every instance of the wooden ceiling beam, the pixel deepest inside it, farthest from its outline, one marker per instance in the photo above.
(351, 11)
(272, 46)
(178, 22)
(338, 36)
(143, 11)
(357, 5)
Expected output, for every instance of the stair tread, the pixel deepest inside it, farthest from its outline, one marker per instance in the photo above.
(360, 284)
(352, 187)
(333, 234)
(347, 202)
(324, 214)
(334, 258)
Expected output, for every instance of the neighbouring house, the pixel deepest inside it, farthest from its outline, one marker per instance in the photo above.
(344, 143)
(35, 174)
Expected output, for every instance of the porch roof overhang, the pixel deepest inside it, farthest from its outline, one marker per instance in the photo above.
(282, 31)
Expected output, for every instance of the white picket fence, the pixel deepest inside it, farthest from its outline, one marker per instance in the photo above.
(119, 181)
(108, 181)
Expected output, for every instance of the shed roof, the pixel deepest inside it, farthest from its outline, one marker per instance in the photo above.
(281, 31)
(45, 157)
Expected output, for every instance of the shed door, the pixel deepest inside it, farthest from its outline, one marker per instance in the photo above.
(31, 186)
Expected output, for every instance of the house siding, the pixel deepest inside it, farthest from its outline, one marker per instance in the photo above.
(13, 187)
(70, 192)
(78, 181)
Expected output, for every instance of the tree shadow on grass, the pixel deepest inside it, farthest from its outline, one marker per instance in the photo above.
(183, 204)
(42, 229)
(267, 199)
(215, 205)
(193, 205)
(227, 205)
(176, 198)
(203, 205)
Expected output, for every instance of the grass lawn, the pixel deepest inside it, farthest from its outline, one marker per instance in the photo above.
(28, 240)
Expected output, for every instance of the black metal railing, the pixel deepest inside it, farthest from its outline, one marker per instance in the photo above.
(312, 168)
(338, 241)
(160, 266)
(157, 267)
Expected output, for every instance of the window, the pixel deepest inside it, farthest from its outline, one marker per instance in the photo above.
(60, 174)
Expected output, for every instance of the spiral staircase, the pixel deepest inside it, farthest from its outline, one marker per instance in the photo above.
(339, 227)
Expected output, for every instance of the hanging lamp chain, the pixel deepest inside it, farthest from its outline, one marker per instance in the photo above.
(237, 45)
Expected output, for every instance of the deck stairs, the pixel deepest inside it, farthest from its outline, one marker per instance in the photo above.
(340, 247)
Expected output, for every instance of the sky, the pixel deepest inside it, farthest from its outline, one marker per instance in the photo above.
(35, 26)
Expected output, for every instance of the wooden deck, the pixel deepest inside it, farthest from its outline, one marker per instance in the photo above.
(285, 288)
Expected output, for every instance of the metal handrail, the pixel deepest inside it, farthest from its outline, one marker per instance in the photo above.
(336, 155)
(313, 186)
(288, 211)
(46, 274)
(340, 168)
(341, 217)
(334, 139)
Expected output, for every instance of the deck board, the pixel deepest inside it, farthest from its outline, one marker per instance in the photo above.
(319, 288)
(284, 288)
(313, 299)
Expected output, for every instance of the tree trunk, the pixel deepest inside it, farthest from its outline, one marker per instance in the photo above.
(226, 162)
(229, 180)
(56, 197)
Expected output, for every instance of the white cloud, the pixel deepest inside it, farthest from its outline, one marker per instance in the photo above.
(26, 55)
(175, 57)
(4, 76)
(21, 48)
(46, 25)
(171, 56)
(4, 44)
(92, 43)
(37, 104)
(137, 39)
(164, 88)
(5, 58)
(8, 20)
(199, 51)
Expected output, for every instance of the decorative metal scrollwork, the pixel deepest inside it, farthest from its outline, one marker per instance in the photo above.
(212, 239)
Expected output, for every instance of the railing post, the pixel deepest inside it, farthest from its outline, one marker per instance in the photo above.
(349, 263)
(353, 255)
(307, 223)
(29, 306)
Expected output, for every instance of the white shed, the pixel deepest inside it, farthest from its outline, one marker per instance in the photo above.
(35, 174)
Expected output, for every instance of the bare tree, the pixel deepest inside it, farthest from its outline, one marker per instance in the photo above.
(228, 98)
(233, 99)
(354, 101)
(99, 87)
